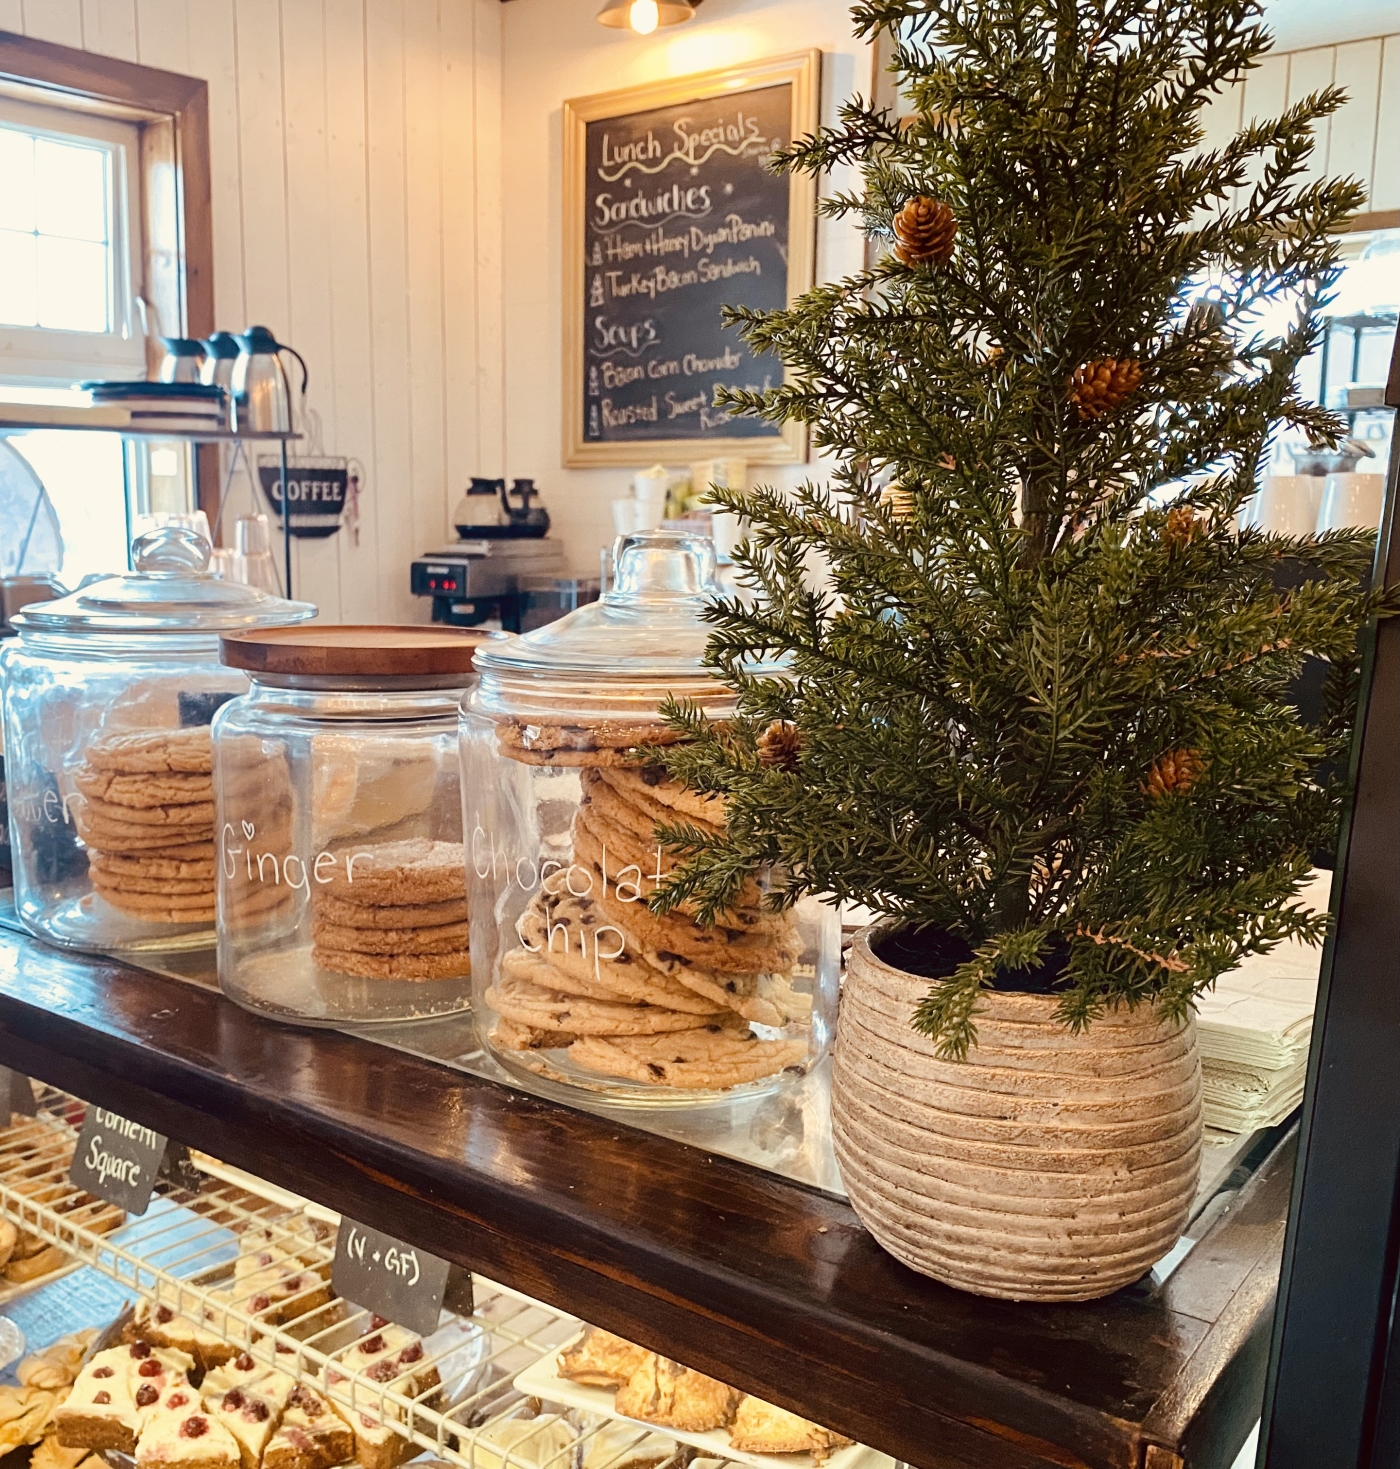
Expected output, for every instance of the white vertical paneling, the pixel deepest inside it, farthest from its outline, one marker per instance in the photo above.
(461, 256)
(213, 56)
(1220, 118)
(1385, 187)
(163, 33)
(489, 237)
(54, 20)
(109, 27)
(355, 175)
(1352, 147)
(391, 501)
(262, 176)
(351, 426)
(423, 249)
(307, 198)
(1309, 72)
(1264, 95)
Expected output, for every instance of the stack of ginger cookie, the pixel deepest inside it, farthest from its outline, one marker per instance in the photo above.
(657, 999)
(394, 910)
(145, 811)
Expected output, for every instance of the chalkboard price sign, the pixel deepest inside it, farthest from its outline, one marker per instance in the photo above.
(673, 213)
(395, 1280)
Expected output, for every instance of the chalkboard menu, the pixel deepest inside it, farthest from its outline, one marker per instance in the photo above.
(675, 213)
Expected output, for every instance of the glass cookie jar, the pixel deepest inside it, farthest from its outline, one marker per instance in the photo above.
(108, 696)
(576, 981)
(341, 876)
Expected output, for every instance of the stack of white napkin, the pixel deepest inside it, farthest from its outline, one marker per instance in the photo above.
(1255, 1028)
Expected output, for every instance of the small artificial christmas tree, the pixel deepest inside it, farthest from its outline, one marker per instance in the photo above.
(1038, 711)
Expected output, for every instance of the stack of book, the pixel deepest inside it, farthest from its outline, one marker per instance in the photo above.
(165, 407)
(1255, 1029)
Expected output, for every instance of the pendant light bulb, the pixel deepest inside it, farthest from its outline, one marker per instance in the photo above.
(644, 16)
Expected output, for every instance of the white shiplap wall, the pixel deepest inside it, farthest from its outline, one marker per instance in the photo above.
(356, 190)
(1361, 140)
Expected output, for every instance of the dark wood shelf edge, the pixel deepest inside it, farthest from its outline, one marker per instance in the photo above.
(789, 1328)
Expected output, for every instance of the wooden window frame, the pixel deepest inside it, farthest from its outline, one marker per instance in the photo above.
(175, 272)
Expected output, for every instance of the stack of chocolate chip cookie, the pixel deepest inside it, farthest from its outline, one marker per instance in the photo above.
(657, 999)
(145, 810)
(395, 910)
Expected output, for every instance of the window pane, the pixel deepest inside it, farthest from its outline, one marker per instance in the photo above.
(19, 301)
(16, 180)
(73, 285)
(86, 481)
(70, 190)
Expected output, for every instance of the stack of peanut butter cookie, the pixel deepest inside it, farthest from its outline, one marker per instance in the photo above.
(658, 999)
(145, 809)
(394, 910)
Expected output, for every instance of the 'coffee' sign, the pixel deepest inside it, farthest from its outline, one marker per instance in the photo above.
(117, 1160)
(314, 493)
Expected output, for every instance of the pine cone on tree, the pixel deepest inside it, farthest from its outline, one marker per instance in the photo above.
(779, 745)
(1173, 773)
(1182, 526)
(1099, 387)
(924, 232)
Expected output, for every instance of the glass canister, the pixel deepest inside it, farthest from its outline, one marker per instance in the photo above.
(576, 980)
(108, 696)
(341, 874)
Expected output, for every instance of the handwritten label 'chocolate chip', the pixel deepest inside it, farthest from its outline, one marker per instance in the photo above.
(382, 1274)
(117, 1160)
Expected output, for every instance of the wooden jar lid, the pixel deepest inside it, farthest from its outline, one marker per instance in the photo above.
(333, 650)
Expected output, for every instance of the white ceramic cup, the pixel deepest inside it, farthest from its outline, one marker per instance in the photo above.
(651, 484)
(624, 514)
(650, 514)
(1286, 505)
(1351, 500)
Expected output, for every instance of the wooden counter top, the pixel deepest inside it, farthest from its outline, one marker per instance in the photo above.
(763, 1282)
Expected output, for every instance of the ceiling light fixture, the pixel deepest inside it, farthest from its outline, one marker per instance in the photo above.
(643, 16)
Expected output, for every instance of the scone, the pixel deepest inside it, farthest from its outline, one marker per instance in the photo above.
(163, 1326)
(601, 1359)
(310, 1436)
(247, 1399)
(183, 1435)
(761, 1428)
(668, 1395)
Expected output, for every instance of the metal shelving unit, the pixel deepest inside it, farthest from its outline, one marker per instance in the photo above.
(182, 1254)
(22, 418)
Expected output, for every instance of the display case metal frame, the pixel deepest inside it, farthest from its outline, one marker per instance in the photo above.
(1333, 1395)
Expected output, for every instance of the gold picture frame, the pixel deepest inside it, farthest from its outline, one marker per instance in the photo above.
(802, 72)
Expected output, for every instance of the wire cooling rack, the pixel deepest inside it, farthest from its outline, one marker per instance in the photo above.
(182, 1254)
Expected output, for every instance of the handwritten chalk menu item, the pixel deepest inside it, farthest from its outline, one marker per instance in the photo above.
(117, 1160)
(400, 1282)
(15, 1085)
(672, 212)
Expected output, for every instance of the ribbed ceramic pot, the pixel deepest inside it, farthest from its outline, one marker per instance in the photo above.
(1048, 1166)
